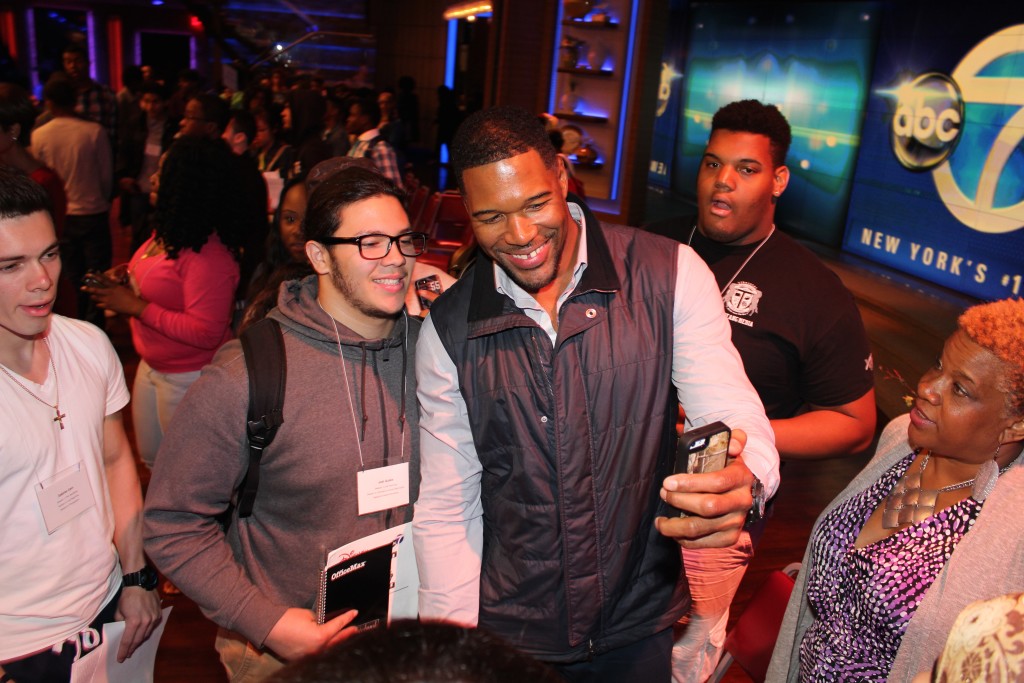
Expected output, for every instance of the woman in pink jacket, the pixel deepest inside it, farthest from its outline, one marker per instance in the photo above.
(179, 286)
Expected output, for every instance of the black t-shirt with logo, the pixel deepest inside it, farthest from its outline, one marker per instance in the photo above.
(794, 324)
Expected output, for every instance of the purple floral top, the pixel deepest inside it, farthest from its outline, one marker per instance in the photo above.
(863, 599)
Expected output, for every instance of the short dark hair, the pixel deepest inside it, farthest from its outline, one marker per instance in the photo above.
(271, 114)
(215, 110)
(345, 187)
(20, 195)
(16, 108)
(131, 77)
(60, 91)
(75, 49)
(751, 116)
(245, 123)
(498, 133)
(556, 138)
(369, 107)
(189, 75)
(426, 652)
(154, 88)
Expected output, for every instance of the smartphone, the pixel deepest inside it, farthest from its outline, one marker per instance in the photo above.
(705, 449)
(430, 283)
(94, 279)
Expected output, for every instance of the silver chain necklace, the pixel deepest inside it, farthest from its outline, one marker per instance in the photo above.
(59, 418)
(909, 502)
(745, 262)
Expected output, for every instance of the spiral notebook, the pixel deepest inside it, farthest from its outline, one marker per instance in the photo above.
(375, 575)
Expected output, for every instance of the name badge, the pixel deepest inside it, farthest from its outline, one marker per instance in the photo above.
(383, 488)
(64, 496)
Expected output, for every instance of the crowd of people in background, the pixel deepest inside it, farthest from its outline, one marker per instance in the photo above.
(280, 126)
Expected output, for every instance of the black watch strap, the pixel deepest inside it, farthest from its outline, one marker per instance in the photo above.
(756, 512)
(144, 578)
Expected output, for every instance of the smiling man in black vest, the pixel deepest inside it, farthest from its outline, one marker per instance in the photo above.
(550, 378)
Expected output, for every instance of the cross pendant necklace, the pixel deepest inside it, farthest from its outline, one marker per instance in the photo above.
(59, 416)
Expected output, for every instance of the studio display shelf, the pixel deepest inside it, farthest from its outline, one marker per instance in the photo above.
(578, 71)
(591, 24)
(581, 118)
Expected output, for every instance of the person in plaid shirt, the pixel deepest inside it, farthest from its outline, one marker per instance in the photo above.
(96, 102)
(363, 119)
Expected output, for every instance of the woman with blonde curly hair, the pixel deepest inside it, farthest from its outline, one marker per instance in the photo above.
(930, 525)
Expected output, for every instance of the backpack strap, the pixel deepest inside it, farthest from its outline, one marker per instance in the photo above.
(263, 348)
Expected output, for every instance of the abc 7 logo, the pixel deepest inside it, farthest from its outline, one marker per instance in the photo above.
(927, 122)
(929, 119)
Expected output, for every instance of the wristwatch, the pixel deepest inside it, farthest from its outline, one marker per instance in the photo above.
(756, 513)
(144, 578)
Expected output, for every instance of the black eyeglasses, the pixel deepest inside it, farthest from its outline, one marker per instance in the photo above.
(373, 247)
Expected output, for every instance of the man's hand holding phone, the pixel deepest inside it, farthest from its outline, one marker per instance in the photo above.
(427, 289)
(714, 503)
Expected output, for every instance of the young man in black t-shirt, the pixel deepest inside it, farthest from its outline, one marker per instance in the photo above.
(794, 324)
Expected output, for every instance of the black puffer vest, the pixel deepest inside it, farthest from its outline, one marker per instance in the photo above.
(574, 442)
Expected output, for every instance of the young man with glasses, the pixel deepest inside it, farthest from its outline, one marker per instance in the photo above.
(349, 409)
(205, 116)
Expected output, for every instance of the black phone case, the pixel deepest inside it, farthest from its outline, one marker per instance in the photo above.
(430, 283)
(701, 450)
(705, 449)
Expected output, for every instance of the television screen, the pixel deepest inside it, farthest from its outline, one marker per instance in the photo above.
(939, 188)
(812, 60)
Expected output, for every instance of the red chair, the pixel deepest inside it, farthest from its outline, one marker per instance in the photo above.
(447, 224)
(418, 202)
(751, 640)
(450, 225)
(425, 221)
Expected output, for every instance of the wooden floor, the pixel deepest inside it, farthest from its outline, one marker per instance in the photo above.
(186, 652)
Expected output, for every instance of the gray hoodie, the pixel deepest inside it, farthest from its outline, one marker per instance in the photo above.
(246, 578)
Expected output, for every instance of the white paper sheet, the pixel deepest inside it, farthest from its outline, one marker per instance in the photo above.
(101, 665)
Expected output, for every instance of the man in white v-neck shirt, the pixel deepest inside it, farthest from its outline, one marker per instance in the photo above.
(71, 548)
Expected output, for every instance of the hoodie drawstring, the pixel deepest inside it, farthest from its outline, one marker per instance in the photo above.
(362, 393)
(405, 365)
(360, 425)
